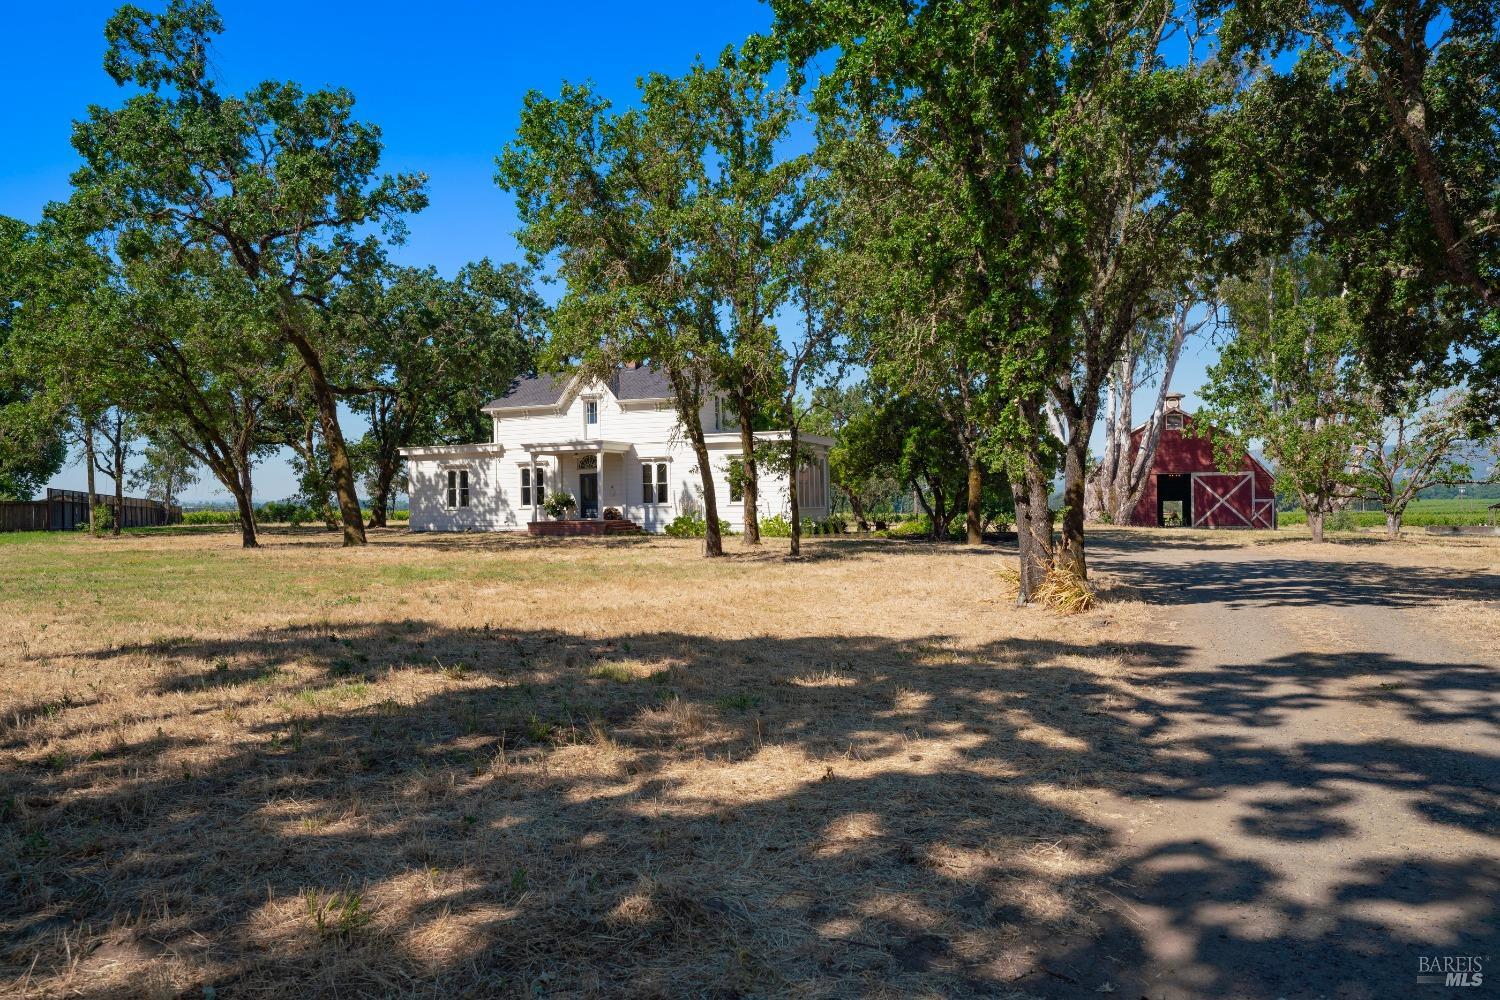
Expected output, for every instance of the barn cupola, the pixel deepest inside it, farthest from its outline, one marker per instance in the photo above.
(1172, 410)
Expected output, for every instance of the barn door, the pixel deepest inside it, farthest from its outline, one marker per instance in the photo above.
(1223, 499)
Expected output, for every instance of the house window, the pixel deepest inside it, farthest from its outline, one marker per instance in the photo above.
(653, 482)
(526, 487)
(1174, 421)
(591, 412)
(458, 488)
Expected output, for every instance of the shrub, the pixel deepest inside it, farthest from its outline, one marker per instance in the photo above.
(287, 512)
(211, 517)
(559, 503)
(776, 527)
(104, 517)
(911, 527)
(692, 525)
(612, 514)
(1341, 520)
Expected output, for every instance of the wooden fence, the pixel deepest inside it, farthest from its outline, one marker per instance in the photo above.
(64, 510)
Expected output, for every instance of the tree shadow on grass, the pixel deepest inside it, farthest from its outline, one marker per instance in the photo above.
(531, 811)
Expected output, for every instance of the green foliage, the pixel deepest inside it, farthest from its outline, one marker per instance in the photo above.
(776, 526)
(693, 525)
(104, 518)
(559, 503)
(210, 517)
(1293, 378)
(256, 208)
(420, 339)
(1410, 219)
(1420, 514)
(283, 512)
(1340, 520)
(167, 468)
(32, 449)
(337, 915)
(919, 526)
(655, 218)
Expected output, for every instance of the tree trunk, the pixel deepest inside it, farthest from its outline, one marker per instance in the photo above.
(242, 501)
(333, 437)
(1392, 526)
(1315, 524)
(938, 517)
(750, 482)
(1033, 528)
(89, 459)
(975, 533)
(380, 502)
(713, 542)
(118, 472)
(1070, 556)
(244, 498)
(857, 508)
(791, 492)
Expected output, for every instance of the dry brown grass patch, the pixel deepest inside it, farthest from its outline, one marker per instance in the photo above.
(448, 765)
(1065, 592)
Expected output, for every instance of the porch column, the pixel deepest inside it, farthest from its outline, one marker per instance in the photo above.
(599, 479)
(534, 504)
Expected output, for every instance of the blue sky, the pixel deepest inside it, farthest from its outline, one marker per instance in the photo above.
(444, 81)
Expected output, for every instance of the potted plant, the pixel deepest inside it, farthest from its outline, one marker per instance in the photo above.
(558, 504)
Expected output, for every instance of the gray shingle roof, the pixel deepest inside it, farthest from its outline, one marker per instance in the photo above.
(644, 382)
(546, 390)
(535, 390)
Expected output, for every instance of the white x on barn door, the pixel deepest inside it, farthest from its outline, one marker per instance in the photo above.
(1213, 499)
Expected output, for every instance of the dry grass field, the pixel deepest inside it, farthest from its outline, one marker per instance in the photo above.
(478, 766)
(465, 766)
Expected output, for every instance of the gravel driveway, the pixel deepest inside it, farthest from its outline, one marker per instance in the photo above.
(1321, 814)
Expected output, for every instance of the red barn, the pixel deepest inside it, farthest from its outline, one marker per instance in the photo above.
(1187, 488)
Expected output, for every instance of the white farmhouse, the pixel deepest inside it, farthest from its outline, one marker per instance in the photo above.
(615, 446)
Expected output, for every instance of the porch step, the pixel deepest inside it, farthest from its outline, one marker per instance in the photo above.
(613, 526)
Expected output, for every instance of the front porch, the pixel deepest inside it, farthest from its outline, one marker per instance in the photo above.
(593, 471)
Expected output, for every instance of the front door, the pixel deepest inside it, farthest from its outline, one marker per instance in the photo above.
(588, 494)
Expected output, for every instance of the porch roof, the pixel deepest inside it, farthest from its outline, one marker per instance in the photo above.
(577, 446)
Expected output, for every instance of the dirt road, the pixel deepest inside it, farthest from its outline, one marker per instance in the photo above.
(1327, 816)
